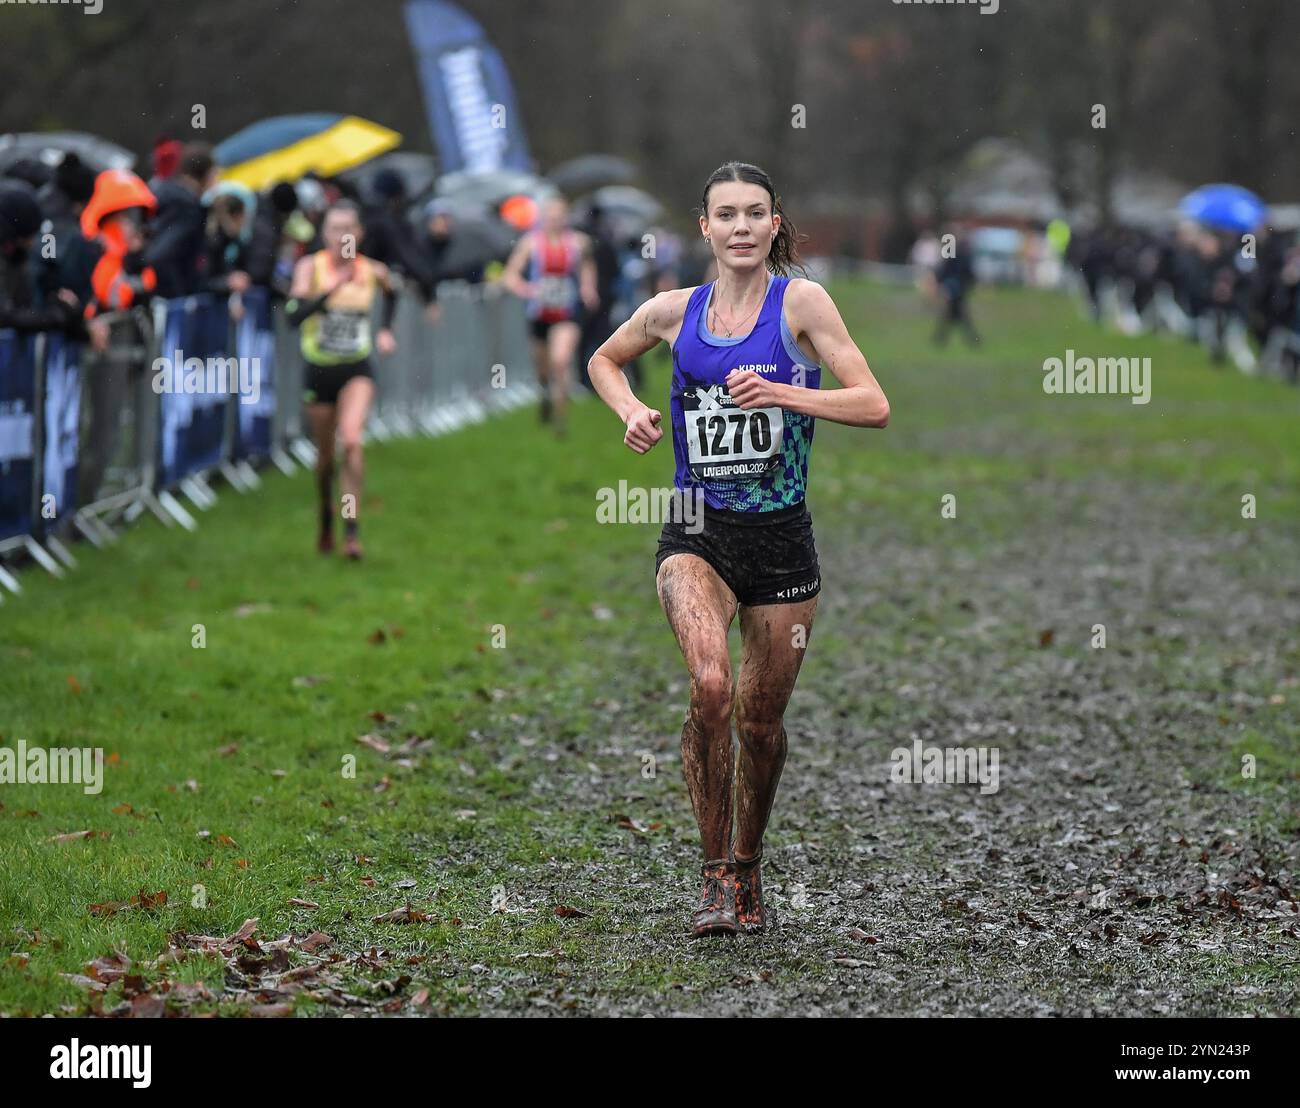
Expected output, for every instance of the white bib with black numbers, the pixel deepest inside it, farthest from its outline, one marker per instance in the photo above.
(555, 291)
(344, 333)
(726, 442)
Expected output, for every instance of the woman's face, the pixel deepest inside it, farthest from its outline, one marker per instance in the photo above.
(740, 224)
(341, 229)
(555, 216)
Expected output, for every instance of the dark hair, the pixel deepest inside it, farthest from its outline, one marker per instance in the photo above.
(343, 206)
(783, 258)
(196, 160)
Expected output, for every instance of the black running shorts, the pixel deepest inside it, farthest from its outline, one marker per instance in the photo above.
(323, 383)
(763, 557)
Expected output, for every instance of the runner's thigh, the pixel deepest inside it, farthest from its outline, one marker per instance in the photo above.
(699, 607)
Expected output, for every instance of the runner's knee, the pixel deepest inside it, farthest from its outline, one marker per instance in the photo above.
(711, 693)
(762, 733)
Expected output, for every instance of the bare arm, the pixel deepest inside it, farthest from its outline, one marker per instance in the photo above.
(859, 402)
(655, 321)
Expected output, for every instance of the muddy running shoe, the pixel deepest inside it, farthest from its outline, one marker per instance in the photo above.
(716, 914)
(352, 548)
(751, 916)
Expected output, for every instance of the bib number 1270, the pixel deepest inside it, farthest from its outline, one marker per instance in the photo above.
(732, 443)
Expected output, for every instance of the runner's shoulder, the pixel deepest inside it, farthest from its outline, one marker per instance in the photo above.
(664, 311)
(804, 296)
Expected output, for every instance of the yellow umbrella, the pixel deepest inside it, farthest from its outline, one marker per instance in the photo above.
(286, 147)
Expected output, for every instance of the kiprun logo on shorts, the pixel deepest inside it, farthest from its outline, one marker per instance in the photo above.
(633, 504)
(133, 1063)
(240, 377)
(953, 765)
(986, 7)
(1098, 377)
(60, 765)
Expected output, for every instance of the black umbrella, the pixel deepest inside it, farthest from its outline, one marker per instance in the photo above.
(591, 171)
(50, 146)
(486, 190)
(475, 240)
(418, 172)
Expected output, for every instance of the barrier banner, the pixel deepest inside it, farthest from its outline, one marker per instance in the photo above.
(195, 381)
(17, 413)
(62, 420)
(255, 349)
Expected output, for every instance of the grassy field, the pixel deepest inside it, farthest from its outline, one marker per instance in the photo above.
(480, 723)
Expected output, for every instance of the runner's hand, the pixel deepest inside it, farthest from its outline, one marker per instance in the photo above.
(343, 277)
(385, 343)
(751, 390)
(643, 429)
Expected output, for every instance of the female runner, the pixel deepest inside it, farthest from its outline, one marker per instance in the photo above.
(747, 354)
(331, 298)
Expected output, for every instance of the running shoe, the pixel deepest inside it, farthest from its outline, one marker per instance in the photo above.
(352, 548)
(751, 916)
(716, 914)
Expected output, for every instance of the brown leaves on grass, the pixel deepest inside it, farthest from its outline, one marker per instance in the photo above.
(143, 901)
(73, 836)
(405, 914)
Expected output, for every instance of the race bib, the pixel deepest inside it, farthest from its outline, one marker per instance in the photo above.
(728, 443)
(344, 333)
(555, 292)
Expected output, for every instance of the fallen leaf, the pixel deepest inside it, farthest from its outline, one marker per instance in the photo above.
(405, 914)
(71, 836)
(314, 942)
(298, 902)
(374, 742)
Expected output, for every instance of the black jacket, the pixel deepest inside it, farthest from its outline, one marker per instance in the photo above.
(18, 307)
(176, 249)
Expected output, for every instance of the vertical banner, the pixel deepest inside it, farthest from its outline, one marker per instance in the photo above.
(194, 378)
(255, 349)
(62, 420)
(468, 97)
(17, 408)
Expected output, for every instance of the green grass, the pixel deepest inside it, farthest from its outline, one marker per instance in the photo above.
(227, 769)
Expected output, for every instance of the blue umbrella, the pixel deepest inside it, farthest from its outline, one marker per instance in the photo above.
(286, 147)
(1225, 207)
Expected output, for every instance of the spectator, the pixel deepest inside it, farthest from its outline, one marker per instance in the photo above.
(391, 239)
(596, 322)
(177, 250)
(20, 306)
(72, 261)
(954, 278)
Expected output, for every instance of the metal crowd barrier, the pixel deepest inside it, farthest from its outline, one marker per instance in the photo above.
(90, 441)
